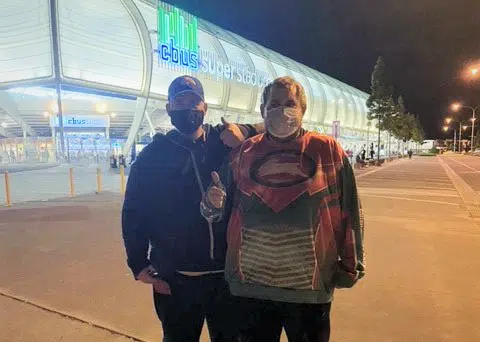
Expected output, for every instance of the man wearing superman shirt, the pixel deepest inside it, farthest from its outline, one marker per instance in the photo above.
(295, 228)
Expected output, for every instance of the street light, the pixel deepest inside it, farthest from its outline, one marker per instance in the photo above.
(446, 128)
(456, 107)
(448, 120)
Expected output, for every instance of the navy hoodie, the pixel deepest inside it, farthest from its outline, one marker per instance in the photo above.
(162, 205)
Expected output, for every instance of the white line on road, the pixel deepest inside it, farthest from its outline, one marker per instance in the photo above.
(376, 170)
(466, 192)
(409, 191)
(467, 166)
(410, 199)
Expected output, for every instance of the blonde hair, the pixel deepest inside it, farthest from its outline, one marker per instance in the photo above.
(286, 82)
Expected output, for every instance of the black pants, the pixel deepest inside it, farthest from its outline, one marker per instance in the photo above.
(262, 321)
(193, 300)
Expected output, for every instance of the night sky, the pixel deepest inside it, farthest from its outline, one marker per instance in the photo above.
(425, 43)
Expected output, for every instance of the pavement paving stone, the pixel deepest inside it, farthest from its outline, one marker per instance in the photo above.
(421, 260)
(26, 323)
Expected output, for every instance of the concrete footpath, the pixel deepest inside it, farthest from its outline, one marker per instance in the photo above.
(64, 278)
(14, 168)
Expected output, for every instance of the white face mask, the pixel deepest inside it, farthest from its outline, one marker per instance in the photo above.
(282, 122)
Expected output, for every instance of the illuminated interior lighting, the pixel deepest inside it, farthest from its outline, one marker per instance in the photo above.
(53, 106)
(101, 107)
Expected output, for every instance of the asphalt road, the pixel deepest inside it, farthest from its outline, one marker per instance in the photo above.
(64, 275)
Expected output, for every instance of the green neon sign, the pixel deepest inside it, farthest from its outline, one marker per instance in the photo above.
(177, 37)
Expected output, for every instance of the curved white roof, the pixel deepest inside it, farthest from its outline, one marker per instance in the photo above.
(101, 47)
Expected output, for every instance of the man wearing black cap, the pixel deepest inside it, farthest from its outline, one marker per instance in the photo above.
(161, 212)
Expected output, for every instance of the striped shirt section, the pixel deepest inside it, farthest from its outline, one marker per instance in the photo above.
(278, 259)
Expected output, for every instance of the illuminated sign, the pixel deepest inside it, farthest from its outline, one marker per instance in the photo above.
(230, 72)
(177, 34)
(177, 37)
(81, 121)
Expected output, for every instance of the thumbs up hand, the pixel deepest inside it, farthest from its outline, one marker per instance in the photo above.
(216, 194)
(232, 135)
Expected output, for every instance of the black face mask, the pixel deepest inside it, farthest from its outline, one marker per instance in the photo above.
(187, 121)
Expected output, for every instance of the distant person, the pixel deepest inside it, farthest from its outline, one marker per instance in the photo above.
(113, 162)
(161, 210)
(360, 162)
(350, 155)
(410, 154)
(372, 153)
(363, 154)
(295, 228)
(122, 161)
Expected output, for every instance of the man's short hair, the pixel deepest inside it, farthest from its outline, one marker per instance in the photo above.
(286, 82)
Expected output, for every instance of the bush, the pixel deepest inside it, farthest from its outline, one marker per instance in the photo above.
(434, 150)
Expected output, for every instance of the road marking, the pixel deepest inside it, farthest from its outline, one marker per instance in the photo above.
(467, 166)
(378, 168)
(409, 192)
(409, 199)
(470, 197)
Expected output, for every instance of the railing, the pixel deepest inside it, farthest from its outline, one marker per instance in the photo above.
(60, 181)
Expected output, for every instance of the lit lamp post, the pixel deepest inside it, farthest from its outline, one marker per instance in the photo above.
(457, 106)
(460, 144)
(448, 121)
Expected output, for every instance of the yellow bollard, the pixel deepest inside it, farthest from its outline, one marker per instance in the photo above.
(99, 180)
(122, 180)
(72, 183)
(8, 200)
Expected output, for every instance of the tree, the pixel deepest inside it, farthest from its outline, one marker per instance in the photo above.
(418, 132)
(381, 106)
(397, 121)
(414, 130)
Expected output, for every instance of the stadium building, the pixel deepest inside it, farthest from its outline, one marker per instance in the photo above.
(91, 77)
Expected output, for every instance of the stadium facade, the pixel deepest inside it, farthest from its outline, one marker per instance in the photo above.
(104, 67)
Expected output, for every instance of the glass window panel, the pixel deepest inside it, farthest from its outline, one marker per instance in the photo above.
(318, 103)
(25, 44)
(99, 42)
(281, 70)
(241, 74)
(332, 99)
(263, 71)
